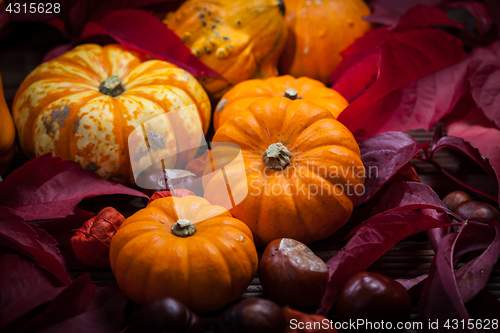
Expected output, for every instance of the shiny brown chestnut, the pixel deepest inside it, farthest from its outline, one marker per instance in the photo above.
(165, 315)
(250, 316)
(455, 198)
(291, 274)
(373, 297)
(477, 209)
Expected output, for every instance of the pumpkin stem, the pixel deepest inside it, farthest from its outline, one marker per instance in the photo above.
(183, 228)
(112, 86)
(277, 156)
(291, 94)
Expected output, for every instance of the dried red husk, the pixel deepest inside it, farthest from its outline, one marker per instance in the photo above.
(91, 242)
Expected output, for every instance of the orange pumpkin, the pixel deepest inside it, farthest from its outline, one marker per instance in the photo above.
(239, 39)
(7, 134)
(83, 105)
(244, 93)
(184, 248)
(302, 170)
(318, 32)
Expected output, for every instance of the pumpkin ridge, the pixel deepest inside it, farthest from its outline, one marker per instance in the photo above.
(94, 78)
(224, 260)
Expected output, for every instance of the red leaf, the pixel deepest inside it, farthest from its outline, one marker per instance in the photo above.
(144, 32)
(23, 288)
(414, 88)
(493, 7)
(356, 80)
(383, 155)
(445, 291)
(481, 133)
(422, 16)
(415, 285)
(33, 242)
(49, 187)
(485, 80)
(82, 307)
(373, 238)
(91, 242)
(388, 12)
(62, 230)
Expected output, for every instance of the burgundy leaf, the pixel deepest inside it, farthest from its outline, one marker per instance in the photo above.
(403, 194)
(422, 16)
(476, 237)
(481, 133)
(440, 298)
(23, 287)
(383, 155)
(373, 238)
(388, 12)
(82, 307)
(145, 33)
(49, 187)
(436, 235)
(459, 144)
(472, 277)
(415, 285)
(421, 77)
(485, 80)
(33, 242)
(62, 230)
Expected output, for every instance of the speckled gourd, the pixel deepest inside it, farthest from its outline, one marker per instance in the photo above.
(83, 105)
(238, 39)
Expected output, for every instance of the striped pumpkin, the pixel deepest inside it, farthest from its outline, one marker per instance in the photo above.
(83, 105)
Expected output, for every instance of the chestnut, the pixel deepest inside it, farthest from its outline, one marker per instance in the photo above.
(250, 316)
(153, 181)
(165, 315)
(455, 198)
(291, 274)
(373, 297)
(478, 209)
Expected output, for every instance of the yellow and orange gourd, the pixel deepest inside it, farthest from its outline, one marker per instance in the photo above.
(184, 248)
(319, 30)
(298, 164)
(239, 39)
(243, 94)
(83, 105)
(7, 134)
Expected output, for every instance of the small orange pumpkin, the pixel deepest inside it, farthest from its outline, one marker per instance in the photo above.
(83, 105)
(318, 31)
(240, 39)
(184, 248)
(302, 172)
(7, 134)
(244, 93)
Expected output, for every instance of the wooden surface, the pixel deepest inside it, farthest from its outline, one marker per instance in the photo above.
(22, 50)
